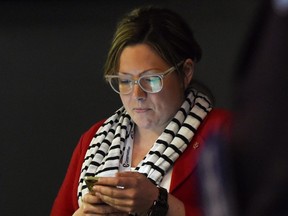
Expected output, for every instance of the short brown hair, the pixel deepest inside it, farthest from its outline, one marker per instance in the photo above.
(162, 29)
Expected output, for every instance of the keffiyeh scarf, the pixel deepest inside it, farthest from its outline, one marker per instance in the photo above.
(107, 146)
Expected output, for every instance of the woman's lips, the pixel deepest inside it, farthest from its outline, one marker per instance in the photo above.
(141, 110)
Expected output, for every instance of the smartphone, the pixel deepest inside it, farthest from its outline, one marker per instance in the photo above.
(91, 181)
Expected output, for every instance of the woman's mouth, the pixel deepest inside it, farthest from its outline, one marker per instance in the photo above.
(140, 110)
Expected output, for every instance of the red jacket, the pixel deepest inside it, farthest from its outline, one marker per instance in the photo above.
(183, 185)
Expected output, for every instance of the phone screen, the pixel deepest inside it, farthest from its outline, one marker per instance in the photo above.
(91, 181)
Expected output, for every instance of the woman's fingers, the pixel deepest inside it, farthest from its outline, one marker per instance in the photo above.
(129, 191)
(94, 205)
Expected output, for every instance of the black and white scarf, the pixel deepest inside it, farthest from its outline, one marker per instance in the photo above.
(106, 148)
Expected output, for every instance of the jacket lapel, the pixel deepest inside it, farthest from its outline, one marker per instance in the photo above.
(186, 164)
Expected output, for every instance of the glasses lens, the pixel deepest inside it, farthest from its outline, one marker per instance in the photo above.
(151, 84)
(121, 85)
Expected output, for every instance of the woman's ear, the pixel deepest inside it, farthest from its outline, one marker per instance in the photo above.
(188, 69)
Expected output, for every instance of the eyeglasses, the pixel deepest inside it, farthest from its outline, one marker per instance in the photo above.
(123, 84)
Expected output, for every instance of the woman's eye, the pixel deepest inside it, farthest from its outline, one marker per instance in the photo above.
(124, 81)
(152, 79)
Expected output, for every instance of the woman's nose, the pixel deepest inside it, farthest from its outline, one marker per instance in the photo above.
(138, 92)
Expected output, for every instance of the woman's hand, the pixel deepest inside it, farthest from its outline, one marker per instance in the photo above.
(93, 205)
(127, 192)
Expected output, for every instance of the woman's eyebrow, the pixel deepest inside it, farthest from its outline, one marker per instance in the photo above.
(143, 72)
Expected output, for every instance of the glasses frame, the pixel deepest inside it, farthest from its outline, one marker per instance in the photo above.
(137, 81)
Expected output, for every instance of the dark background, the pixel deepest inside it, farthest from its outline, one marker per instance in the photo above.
(51, 86)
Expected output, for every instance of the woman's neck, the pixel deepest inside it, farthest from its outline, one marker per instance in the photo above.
(142, 143)
(145, 137)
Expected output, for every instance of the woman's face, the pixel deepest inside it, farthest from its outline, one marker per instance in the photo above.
(150, 110)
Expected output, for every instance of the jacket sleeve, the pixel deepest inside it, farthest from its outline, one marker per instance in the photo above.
(66, 203)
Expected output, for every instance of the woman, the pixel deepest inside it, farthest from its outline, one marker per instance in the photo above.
(146, 153)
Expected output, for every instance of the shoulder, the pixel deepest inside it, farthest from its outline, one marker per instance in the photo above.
(218, 115)
(89, 134)
(217, 121)
(92, 130)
